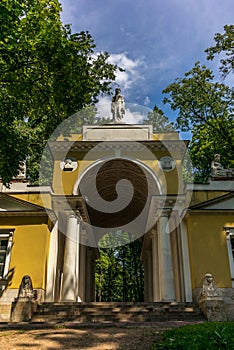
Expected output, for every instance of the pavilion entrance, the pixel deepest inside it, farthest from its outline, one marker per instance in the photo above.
(161, 251)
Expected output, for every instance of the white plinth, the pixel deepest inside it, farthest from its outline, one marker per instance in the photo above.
(117, 132)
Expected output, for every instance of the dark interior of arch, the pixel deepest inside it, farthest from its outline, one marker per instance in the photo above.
(133, 216)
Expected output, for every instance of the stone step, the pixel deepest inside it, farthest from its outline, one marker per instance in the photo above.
(117, 312)
(97, 312)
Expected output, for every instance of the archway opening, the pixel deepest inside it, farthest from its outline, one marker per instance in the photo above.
(119, 274)
(126, 188)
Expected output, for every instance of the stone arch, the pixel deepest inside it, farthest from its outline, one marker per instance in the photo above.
(106, 174)
(160, 250)
(99, 161)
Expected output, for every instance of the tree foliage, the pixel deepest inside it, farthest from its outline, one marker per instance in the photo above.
(158, 120)
(119, 271)
(224, 45)
(205, 108)
(47, 73)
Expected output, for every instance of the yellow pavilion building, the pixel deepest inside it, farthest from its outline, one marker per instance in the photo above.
(118, 177)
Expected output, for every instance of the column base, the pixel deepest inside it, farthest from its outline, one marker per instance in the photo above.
(78, 300)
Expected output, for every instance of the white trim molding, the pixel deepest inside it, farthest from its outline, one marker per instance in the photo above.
(230, 248)
(6, 234)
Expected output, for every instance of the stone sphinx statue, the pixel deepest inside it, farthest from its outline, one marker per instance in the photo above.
(26, 288)
(117, 106)
(25, 304)
(211, 302)
(217, 170)
(209, 287)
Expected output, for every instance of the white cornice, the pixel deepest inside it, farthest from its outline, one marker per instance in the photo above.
(59, 148)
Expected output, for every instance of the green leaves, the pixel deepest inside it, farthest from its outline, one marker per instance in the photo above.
(159, 121)
(119, 272)
(225, 46)
(205, 108)
(197, 98)
(47, 73)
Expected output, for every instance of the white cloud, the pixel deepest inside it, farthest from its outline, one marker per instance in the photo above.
(155, 41)
(104, 107)
(132, 69)
(133, 117)
(127, 63)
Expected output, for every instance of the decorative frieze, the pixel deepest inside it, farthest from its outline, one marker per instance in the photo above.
(63, 147)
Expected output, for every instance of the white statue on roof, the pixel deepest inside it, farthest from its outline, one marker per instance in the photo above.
(117, 106)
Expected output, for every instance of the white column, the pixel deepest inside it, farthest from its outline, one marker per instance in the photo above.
(186, 262)
(155, 267)
(167, 287)
(82, 284)
(71, 261)
(77, 264)
(52, 264)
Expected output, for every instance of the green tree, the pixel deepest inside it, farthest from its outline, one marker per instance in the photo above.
(205, 108)
(72, 125)
(119, 270)
(47, 73)
(224, 46)
(159, 121)
(108, 276)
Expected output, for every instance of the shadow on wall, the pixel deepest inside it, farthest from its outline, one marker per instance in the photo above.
(5, 283)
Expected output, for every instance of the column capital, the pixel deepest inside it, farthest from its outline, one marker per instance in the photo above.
(166, 212)
(153, 232)
(74, 215)
(71, 215)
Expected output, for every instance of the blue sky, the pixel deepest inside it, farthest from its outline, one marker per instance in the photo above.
(154, 40)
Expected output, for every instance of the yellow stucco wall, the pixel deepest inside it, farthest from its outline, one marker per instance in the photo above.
(41, 199)
(208, 248)
(166, 135)
(71, 137)
(30, 249)
(203, 196)
(63, 182)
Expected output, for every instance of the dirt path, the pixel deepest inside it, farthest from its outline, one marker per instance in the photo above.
(113, 338)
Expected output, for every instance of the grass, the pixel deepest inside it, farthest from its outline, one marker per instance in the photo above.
(5, 334)
(59, 326)
(204, 336)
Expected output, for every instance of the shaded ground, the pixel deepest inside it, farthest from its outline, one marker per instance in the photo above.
(82, 339)
(76, 337)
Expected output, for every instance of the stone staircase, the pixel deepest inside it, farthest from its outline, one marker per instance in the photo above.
(109, 312)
